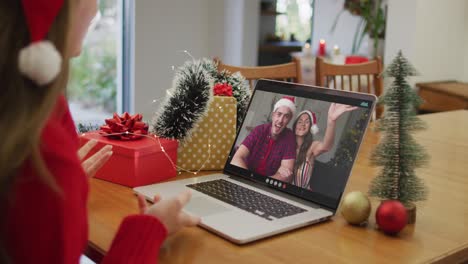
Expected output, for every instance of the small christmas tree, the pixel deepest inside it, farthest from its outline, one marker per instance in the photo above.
(398, 153)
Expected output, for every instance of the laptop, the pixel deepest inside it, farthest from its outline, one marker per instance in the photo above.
(255, 200)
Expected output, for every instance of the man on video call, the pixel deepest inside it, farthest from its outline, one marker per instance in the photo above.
(272, 146)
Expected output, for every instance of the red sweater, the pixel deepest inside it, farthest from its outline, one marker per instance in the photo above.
(43, 226)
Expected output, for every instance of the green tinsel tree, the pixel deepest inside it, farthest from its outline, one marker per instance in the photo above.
(398, 153)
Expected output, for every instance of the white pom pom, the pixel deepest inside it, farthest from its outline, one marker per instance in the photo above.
(314, 129)
(40, 62)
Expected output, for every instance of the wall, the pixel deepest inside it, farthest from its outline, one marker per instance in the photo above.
(440, 40)
(162, 30)
(205, 28)
(432, 35)
(324, 16)
(464, 76)
(251, 23)
(233, 10)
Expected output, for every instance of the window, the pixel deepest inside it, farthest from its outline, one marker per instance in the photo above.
(97, 85)
(296, 24)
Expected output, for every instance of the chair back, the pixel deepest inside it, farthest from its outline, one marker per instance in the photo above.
(362, 77)
(290, 72)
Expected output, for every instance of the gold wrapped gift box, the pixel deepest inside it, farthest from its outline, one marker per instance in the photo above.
(212, 138)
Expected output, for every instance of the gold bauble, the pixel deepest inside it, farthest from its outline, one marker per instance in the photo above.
(356, 208)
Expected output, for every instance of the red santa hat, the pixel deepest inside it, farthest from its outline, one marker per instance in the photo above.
(287, 101)
(40, 61)
(314, 129)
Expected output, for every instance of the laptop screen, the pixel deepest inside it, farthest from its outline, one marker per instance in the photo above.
(300, 139)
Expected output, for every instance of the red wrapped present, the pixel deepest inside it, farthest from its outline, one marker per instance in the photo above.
(136, 162)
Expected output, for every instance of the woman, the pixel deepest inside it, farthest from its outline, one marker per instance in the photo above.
(307, 149)
(43, 183)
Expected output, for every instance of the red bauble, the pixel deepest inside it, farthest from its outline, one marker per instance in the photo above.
(391, 216)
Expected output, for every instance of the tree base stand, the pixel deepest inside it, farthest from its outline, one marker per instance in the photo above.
(411, 212)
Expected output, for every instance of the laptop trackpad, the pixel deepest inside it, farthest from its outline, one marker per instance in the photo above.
(202, 206)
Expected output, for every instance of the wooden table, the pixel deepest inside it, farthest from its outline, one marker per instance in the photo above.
(439, 235)
(443, 96)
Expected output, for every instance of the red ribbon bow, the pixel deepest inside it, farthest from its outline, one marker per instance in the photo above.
(125, 127)
(222, 89)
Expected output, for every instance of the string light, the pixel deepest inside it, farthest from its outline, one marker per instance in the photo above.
(156, 138)
(188, 53)
(163, 150)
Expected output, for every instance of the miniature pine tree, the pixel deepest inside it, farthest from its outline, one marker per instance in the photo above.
(398, 153)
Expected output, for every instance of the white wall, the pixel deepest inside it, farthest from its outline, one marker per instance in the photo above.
(400, 29)
(162, 30)
(206, 28)
(324, 16)
(440, 40)
(250, 42)
(464, 76)
(234, 37)
(432, 34)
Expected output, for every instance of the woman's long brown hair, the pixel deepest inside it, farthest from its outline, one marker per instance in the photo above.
(301, 156)
(24, 106)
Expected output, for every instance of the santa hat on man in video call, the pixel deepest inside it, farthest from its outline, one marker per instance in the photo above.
(40, 61)
(288, 101)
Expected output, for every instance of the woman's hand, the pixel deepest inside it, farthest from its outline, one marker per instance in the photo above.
(92, 164)
(169, 211)
(336, 110)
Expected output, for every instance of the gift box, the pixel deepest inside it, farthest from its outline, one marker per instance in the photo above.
(212, 138)
(136, 162)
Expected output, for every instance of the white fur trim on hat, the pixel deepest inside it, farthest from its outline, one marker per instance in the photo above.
(314, 129)
(40, 62)
(286, 102)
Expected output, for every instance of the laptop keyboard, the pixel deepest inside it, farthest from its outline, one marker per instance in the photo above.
(247, 199)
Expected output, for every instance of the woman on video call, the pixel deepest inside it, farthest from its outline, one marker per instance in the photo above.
(307, 149)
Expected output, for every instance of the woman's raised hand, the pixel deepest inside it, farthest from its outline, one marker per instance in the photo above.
(336, 110)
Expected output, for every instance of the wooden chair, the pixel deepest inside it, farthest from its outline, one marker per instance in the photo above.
(284, 72)
(362, 77)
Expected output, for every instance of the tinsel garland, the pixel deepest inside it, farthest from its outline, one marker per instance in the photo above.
(83, 128)
(191, 93)
(186, 104)
(240, 89)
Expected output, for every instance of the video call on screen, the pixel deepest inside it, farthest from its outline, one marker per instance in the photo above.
(326, 173)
